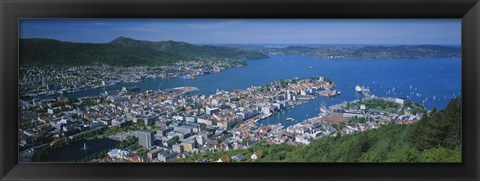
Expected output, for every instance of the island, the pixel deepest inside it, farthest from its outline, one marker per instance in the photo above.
(368, 52)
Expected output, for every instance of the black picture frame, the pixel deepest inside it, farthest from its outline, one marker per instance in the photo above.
(467, 10)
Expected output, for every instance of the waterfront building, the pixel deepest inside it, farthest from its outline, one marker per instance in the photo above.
(118, 153)
(399, 101)
(266, 109)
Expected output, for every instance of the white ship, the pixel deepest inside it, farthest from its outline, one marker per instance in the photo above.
(323, 107)
(266, 116)
(358, 88)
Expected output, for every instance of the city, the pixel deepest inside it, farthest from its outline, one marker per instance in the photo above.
(50, 81)
(239, 91)
(170, 125)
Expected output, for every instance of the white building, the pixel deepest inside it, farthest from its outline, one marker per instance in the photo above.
(118, 153)
(399, 101)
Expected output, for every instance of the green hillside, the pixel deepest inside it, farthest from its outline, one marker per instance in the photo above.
(435, 138)
(122, 52)
(189, 50)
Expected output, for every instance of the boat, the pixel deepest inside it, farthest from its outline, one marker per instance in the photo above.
(323, 107)
(290, 119)
(330, 95)
(266, 116)
(130, 89)
(358, 88)
(84, 147)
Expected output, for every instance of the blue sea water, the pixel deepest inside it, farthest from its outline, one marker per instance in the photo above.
(437, 80)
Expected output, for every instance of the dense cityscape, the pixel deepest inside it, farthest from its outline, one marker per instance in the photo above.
(169, 125)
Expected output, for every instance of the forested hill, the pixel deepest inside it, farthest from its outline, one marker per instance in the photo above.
(123, 52)
(370, 52)
(435, 138)
(189, 50)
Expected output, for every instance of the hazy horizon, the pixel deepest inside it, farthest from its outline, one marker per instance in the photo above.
(262, 44)
(250, 31)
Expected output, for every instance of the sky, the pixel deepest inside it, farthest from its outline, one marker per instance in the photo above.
(249, 31)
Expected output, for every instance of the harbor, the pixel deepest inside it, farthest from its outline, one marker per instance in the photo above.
(173, 96)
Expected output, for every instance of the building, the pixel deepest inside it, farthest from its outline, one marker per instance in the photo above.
(181, 135)
(154, 153)
(161, 124)
(256, 155)
(145, 138)
(54, 110)
(178, 148)
(189, 144)
(399, 101)
(238, 158)
(266, 110)
(164, 131)
(150, 120)
(191, 119)
(211, 111)
(205, 121)
(224, 159)
(166, 155)
(118, 153)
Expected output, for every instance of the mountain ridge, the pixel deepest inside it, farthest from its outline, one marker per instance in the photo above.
(123, 51)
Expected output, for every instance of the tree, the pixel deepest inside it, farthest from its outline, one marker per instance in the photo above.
(175, 139)
(442, 128)
(181, 108)
(441, 155)
(140, 122)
